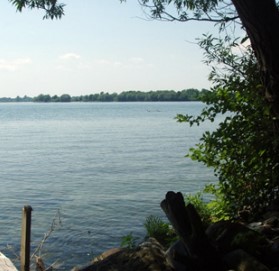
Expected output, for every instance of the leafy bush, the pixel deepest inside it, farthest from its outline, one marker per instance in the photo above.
(244, 149)
(209, 211)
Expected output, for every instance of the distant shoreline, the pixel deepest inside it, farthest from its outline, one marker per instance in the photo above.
(126, 96)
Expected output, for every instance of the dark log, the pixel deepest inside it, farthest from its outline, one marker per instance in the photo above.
(188, 226)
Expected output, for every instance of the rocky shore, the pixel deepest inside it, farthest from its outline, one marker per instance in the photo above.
(223, 246)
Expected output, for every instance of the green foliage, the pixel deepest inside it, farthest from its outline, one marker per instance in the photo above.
(209, 211)
(217, 205)
(53, 10)
(243, 150)
(128, 241)
(159, 230)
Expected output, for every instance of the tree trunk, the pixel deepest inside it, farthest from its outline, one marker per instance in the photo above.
(261, 21)
(202, 255)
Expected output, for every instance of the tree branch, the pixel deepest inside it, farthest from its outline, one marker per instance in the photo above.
(53, 9)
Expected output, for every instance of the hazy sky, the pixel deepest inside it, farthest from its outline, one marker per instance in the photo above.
(99, 45)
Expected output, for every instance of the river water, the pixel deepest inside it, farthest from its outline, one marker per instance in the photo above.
(104, 167)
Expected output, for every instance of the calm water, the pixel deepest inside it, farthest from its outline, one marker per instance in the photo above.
(105, 166)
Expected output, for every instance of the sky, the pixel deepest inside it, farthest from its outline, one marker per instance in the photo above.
(99, 45)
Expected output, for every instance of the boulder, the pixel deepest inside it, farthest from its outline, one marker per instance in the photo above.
(239, 260)
(148, 256)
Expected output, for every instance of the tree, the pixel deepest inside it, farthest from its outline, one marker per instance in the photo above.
(42, 98)
(65, 98)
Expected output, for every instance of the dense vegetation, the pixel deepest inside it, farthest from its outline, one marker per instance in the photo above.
(243, 150)
(126, 96)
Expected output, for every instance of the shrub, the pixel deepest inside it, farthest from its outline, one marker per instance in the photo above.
(159, 230)
(244, 148)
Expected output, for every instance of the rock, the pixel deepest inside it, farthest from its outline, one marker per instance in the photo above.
(255, 226)
(239, 260)
(272, 222)
(228, 236)
(267, 227)
(106, 254)
(273, 215)
(149, 256)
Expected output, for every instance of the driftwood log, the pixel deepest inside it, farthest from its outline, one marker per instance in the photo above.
(201, 254)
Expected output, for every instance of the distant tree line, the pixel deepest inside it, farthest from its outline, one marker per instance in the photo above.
(17, 99)
(127, 96)
(46, 98)
(190, 94)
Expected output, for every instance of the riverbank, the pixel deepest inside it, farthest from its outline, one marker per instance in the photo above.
(223, 246)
